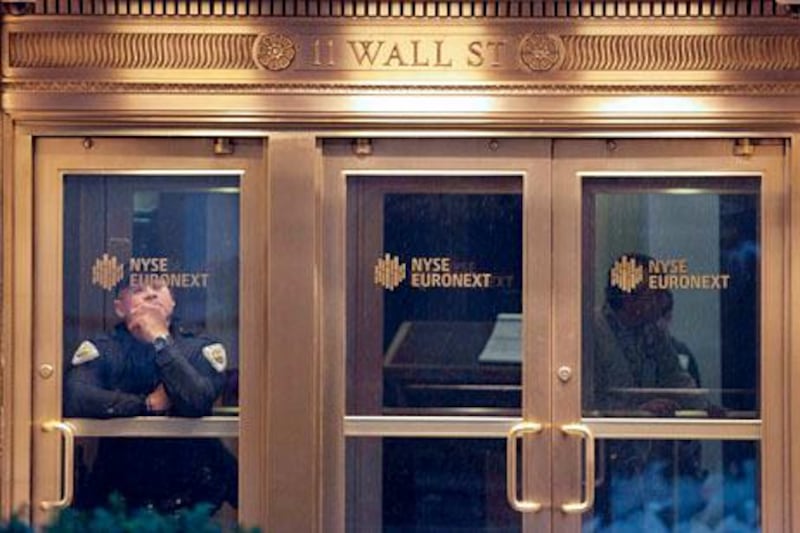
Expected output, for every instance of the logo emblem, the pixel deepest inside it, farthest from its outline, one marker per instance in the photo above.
(273, 51)
(216, 356)
(389, 272)
(86, 352)
(541, 52)
(107, 272)
(626, 274)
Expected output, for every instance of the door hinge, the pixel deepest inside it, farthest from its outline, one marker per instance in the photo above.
(362, 147)
(223, 146)
(747, 146)
(743, 147)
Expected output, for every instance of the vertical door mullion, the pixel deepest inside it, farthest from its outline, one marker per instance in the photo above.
(567, 457)
(538, 338)
(47, 305)
(774, 325)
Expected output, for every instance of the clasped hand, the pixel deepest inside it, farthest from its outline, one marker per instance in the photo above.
(148, 321)
(158, 400)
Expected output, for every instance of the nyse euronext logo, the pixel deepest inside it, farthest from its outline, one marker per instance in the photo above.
(434, 273)
(627, 274)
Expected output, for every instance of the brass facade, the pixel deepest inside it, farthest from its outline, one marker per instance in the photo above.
(298, 72)
(510, 58)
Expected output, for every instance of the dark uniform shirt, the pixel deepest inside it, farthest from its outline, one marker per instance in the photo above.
(111, 376)
(631, 359)
(630, 365)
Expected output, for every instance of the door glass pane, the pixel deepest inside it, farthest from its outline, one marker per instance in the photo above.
(201, 471)
(670, 297)
(151, 289)
(441, 277)
(676, 486)
(427, 485)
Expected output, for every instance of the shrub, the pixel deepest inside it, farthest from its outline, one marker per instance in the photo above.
(117, 518)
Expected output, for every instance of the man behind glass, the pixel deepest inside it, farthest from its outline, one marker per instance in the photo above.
(637, 372)
(149, 366)
(633, 356)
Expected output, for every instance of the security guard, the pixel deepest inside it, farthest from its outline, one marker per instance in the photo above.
(146, 366)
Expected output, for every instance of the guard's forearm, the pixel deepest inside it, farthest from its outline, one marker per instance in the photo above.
(191, 393)
(85, 399)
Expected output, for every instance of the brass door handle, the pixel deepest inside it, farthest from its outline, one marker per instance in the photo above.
(514, 433)
(68, 432)
(579, 430)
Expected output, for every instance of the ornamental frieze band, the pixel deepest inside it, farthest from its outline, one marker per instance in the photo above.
(494, 89)
(306, 55)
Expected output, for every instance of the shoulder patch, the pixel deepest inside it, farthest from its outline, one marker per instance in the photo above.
(216, 356)
(86, 352)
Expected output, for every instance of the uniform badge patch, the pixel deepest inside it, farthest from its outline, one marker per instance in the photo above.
(86, 352)
(216, 356)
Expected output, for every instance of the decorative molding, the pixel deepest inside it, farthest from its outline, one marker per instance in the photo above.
(493, 89)
(273, 51)
(541, 52)
(194, 51)
(418, 9)
(536, 53)
(681, 52)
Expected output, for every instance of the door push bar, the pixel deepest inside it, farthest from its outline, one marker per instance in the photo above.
(68, 432)
(580, 430)
(516, 431)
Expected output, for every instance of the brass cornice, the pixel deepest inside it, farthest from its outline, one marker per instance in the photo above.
(792, 89)
(494, 89)
(418, 9)
(65, 50)
(681, 52)
(118, 50)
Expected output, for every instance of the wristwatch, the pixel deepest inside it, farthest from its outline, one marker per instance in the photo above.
(161, 342)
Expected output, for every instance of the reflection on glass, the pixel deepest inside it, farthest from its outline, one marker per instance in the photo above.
(670, 297)
(181, 232)
(429, 485)
(162, 474)
(451, 328)
(436, 329)
(676, 486)
(150, 328)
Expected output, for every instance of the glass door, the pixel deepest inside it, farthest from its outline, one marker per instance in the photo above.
(439, 290)
(669, 301)
(543, 335)
(140, 349)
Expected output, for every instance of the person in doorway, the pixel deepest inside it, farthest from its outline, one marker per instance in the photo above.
(637, 372)
(686, 358)
(633, 356)
(149, 366)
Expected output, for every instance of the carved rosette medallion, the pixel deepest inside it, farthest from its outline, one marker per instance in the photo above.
(541, 52)
(273, 52)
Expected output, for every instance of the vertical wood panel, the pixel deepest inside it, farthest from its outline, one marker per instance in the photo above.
(254, 295)
(292, 345)
(6, 225)
(794, 330)
(5, 465)
(334, 223)
(17, 344)
(775, 395)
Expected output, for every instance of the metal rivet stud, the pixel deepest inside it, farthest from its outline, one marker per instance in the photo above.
(46, 370)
